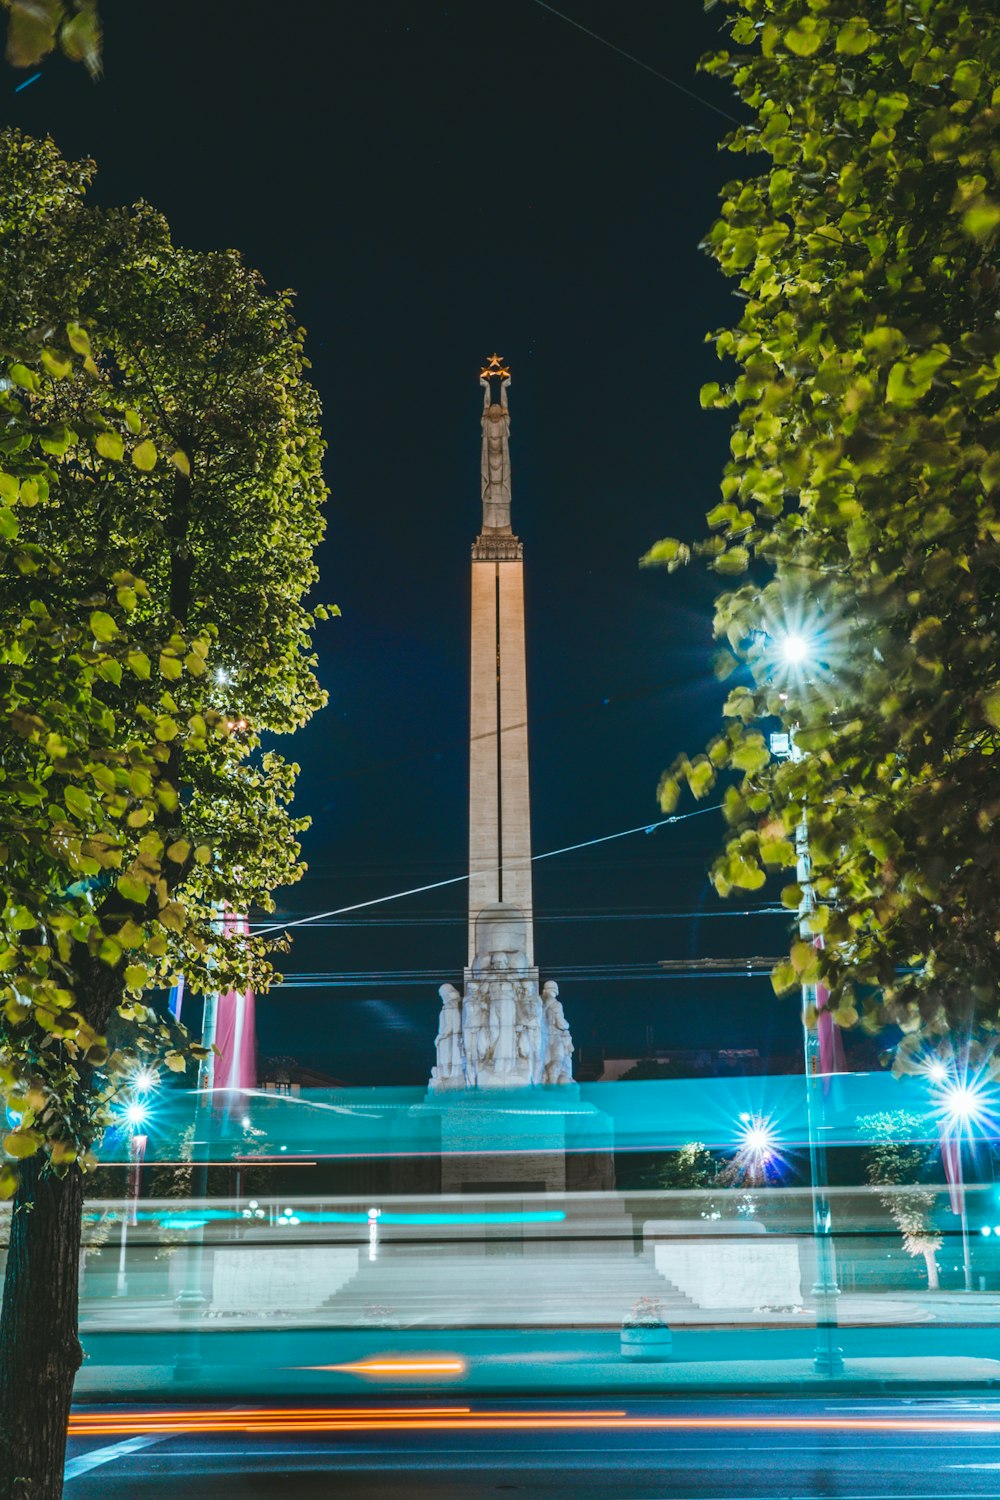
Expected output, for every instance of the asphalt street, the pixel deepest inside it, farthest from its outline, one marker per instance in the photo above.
(852, 1449)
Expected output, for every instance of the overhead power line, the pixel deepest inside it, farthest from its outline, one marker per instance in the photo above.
(459, 919)
(663, 77)
(437, 885)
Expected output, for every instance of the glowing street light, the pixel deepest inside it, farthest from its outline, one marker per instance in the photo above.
(757, 1139)
(135, 1114)
(962, 1107)
(962, 1104)
(145, 1080)
(795, 649)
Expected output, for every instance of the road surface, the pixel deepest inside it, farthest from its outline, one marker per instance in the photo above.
(923, 1448)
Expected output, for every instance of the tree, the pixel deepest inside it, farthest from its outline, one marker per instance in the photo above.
(37, 27)
(160, 495)
(691, 1166)
(861, 504)
(895, 1163)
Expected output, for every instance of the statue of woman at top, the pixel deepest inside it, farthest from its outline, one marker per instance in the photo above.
(496, 458)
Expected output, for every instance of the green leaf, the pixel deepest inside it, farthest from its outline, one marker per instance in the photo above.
(854, 37)
(139, 664)
(981, 219)
(180, 461)
(80, 39)
(136, 977)
(668, 794)
(989, 474)
(110, 445)
(751, 754)
(57, 365)
(103, 626)
(783, 978)
(144, 456)
(8, 524)
(79, 338)
(23, 377)
(132, 889)
(9, 1182)
(21, 1143)
(806, 36)
(890, 109)
(57, 441)
(989, 704)
(666, 551)
(77, 801)
(744, 873)
(778, 852)
(701, 777)
(166, 728)
(733, 560)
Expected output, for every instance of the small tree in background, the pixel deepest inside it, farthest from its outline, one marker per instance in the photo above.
(689, 1167)
(863, 496)
(160, 494)
(896, 1162)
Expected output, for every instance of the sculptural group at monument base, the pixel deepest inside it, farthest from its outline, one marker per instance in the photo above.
(501, 1033)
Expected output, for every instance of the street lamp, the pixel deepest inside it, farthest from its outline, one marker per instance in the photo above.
(795, 650)
(145, 1079)
(135, 1115)
(961, 1105)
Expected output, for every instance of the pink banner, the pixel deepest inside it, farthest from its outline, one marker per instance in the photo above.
(831, 1043)
(951, 1160)
(235, 1029)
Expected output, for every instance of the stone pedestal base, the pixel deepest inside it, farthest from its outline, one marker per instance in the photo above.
(526, 1140)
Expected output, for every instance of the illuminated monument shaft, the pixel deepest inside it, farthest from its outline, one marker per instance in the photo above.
(501, 1032)
(499, 796)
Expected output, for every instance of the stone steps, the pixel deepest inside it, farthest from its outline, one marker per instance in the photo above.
(464, 1290)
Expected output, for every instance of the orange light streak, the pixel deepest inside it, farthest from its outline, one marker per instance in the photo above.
(463, 1420)
(399, 1367)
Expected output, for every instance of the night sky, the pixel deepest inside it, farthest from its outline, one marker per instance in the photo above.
(437, 181)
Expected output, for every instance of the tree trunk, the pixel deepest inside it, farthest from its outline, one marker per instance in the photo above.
(930, 1260)
(39, 1349)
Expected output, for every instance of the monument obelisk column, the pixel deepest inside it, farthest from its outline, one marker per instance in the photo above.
(499, 795)
(501, 1033)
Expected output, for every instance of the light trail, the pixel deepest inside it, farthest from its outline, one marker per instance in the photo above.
(464, 1420)
(426, 1366)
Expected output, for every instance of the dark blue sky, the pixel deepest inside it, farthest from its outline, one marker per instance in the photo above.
(437, 181)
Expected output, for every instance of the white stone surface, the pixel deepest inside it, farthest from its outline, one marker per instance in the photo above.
(730, 1273)
(269, 1278)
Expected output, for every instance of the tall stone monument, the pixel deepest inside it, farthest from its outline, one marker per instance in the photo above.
(500, 1032)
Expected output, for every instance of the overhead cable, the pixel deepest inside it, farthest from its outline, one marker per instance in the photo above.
(437, 885)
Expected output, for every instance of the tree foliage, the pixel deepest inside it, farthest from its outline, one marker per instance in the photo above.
(37, 27)
(160, 494)
(895, 1162)
(861, 503)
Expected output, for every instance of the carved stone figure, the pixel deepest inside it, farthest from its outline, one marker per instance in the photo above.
(558, 1042)
(449, 1068)
(504, 1009)
(475, 1031)
(496, 458)
(529, 1033)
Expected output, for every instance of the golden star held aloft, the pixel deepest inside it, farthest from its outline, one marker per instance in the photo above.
(495, 366)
